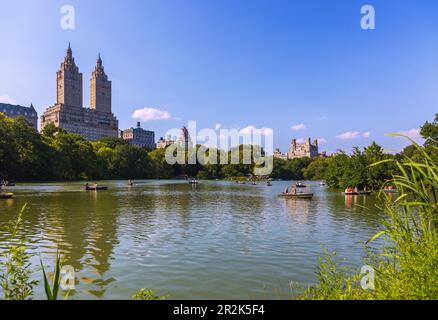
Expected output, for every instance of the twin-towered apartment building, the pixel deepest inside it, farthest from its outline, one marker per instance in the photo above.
(98, 121)
(68, 113)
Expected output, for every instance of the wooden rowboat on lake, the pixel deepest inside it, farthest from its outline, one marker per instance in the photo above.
(6, 195)
(357, 193)
(297, 195)
(93, 188)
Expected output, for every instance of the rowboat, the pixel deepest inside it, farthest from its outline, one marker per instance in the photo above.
(6, 195)
(297, 195)
(357, 193)
(98, 188)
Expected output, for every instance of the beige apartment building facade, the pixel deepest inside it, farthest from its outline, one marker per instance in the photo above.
(68, 113)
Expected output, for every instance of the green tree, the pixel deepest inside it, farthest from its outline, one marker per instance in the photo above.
(131, 162)
(160, 168)
(74, 157)
(8, 152)
(33, 155)
(377, 175)
(429, 131)
(317, 169)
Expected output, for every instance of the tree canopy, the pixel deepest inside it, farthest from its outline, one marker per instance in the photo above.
(26, 155)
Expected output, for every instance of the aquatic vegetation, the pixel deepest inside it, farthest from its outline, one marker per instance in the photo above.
(53, 290)
(147, 294)
(15, 264)
(406, 261)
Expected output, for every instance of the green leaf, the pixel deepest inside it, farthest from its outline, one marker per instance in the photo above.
(46, 283)
(375, 237)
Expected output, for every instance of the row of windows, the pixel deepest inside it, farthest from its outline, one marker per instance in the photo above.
(25, 113)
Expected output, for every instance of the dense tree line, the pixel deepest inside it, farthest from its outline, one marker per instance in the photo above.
(341, 170)
(26, 155)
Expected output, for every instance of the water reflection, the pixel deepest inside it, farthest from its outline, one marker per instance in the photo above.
(352, 201)
(298, 208)
(214, 240)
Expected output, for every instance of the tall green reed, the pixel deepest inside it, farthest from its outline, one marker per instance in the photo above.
(406, 258)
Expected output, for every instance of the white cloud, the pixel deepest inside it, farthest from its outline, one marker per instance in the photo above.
(298, 127)
(217, 126)
(151, 114)
(413, 134)
(4, 98)
(254, 130)
(366, 134)
(348, 135)
(322, 141)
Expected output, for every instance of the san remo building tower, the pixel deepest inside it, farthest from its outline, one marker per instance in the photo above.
(68, 113)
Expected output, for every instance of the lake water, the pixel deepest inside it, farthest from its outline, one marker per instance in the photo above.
(217, 240)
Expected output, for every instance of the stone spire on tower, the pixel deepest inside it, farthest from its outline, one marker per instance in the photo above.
(99, 70)
(69, 82)
(100, 89)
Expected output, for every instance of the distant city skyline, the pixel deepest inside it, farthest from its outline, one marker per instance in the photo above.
(293, 69)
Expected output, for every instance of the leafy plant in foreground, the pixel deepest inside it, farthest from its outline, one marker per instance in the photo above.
(15, 279)
(147, 294)
(53, 290)
(406, 261)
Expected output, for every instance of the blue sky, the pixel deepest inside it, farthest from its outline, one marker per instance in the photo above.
(273, 64)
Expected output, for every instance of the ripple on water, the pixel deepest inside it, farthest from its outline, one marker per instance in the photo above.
(217, 240)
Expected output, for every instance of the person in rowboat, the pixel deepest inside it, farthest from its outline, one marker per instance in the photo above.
(293, 191)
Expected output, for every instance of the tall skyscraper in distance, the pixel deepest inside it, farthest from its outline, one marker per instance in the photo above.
(68, 113)
(69, 82)
(100, 89)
